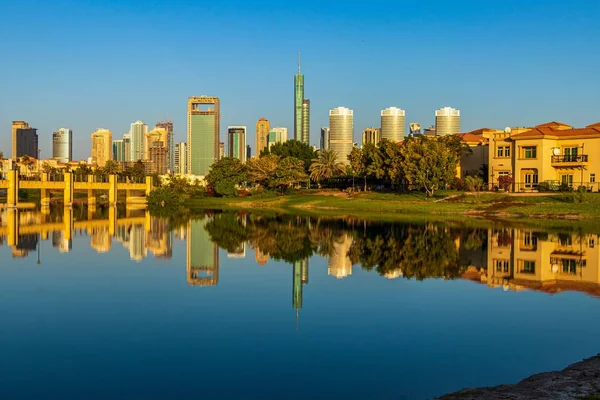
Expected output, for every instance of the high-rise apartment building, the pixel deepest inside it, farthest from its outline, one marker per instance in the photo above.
(325, 138)
(305, 137)
(263, 127)
(371, 135)
(170, 141)
(393, 124)
(248, 152)
(203, 134)
(181, 158)
(24, 140)
(221, 150)
(101, 146)
(447, 121)
(278, 134)
(236, 136)
(158, 157)
(118, 147)
(137, 134)
(341, 132)
(62, 145)
(127, 146)
(157, 134)
(298, 102)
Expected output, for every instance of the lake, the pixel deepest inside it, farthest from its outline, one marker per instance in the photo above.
(120, 304)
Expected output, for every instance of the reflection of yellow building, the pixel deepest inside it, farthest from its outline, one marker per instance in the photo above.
(526, 259)
(339, 264)
(260, 257)
(202, 256)
(158, 240)
(100, 241)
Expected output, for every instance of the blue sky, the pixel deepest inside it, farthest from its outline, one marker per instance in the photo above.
(89, 64)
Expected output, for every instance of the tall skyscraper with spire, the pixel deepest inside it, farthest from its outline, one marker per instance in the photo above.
(298, 103)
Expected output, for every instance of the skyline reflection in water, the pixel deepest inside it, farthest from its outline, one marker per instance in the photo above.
(365, 309)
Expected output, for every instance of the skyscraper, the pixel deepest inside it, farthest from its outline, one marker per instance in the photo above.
(203, 133)
(137, 134)
(298, 102)
(278, 134)
(157, 134)
(263, 127)
(371, 135)
(24, 140)
(325, 138)
(181, 158)
(127, 146)
(447, 121)
(158, 157)
(170, 141)
(101, 146)
(62, 145)
(341, 132)
(393, 126)
(236, 136)
(305, 138)
(221, 150)
(118, 150)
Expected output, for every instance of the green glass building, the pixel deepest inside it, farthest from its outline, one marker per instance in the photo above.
(203, 134)
(236, 136)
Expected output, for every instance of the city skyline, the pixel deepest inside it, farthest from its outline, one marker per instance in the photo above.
(482, 54)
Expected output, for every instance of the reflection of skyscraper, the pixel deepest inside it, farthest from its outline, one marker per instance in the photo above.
(202, 258)
(25, 244)
(59, 241)
(260, 257)
(300, 277)
(100, 241)
(159, 240)
(137, 248)
(339, 264)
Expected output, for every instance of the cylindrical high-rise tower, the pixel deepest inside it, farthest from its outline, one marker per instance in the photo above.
(62, 145)
(393, 124)
(447, 121)
(341, 132)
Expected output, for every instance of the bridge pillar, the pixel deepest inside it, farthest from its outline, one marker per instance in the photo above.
(45, 195)
(147, 221)
(148, 185)
(112, 220)
(13, 226)
(12, 195)
(68, 223)
(91, 193)
(68, 196)
(113, 190)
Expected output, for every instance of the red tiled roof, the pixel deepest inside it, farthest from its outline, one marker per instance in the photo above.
(543, 131)
(473, 138)
(552, 124)
(596, 125)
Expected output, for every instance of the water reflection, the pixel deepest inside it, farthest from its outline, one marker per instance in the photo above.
(506, 257)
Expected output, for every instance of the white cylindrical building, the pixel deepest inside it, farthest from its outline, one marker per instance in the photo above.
(393, 124)
(62, 145)
(447, 121)
(341, 132)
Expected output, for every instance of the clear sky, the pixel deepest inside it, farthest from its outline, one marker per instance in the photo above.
(88, 64)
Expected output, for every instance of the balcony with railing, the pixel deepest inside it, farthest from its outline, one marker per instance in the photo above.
(569, 159)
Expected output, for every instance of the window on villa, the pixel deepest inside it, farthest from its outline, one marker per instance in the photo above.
(592, 178)
(531, 179)
(566, 179)
(503, 151)
(529, 239)
(530, 152)
(570, 153)
(527, 267)
(502, 265)
(569, 266)
(591, 243)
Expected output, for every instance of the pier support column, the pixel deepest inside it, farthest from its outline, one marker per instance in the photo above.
(112, 191)
(91, 193)
(68, 196)
(148, 185)
(12, 196)
(45, 194)
(112, 220)
(147, 221)
(68, 223)
(13, 226)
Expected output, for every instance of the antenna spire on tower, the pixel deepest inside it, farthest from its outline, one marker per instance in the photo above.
(298, 63)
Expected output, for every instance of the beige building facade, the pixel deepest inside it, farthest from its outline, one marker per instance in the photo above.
(101, 146)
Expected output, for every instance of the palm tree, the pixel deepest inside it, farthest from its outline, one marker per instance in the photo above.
(27, 162)
(111, 167)
(326, 166)
(1, 156)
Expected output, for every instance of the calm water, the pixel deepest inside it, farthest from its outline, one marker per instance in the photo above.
(122, 305)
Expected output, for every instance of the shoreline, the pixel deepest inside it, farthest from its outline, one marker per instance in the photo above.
(580, 380)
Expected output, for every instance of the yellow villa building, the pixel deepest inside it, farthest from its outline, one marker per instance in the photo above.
(546, 157)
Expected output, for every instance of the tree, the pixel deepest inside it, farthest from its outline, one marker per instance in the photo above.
(326, 166)
(429, 163)
(289, 173)
(111, 167)
(84, 169)
(262, 169)
(47, 168)
(393, 160)
(1, 156)
(358, 163)
(28, 162)
(226, 175)
(292, 148)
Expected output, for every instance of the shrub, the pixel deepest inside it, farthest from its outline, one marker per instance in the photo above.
(473, 183)
(163, 197)
(505, 182)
